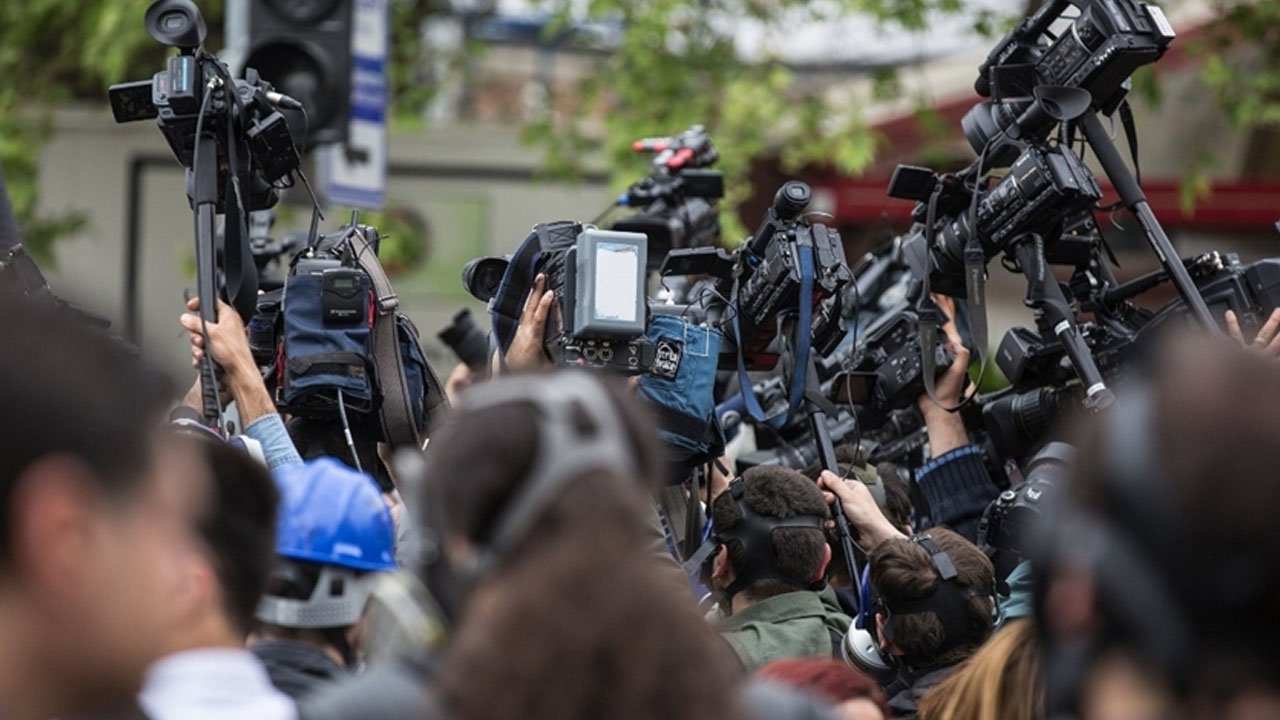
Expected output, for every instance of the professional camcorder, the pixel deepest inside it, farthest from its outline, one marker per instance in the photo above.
(236, 147)
(600, 313)
(788, 268)
(677, 203)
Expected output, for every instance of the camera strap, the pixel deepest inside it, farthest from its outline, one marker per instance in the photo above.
(800, 342)
(394, 411)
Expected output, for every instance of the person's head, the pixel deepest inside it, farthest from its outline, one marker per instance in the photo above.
(335, 532)
(228, 569)
(889, 488)
(541, 491)
(1001, 681)
(96, 510)
(853, 695)
(1161, 562)
(936, 601)
(791, 556)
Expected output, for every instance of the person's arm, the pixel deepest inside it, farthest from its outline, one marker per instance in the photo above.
(230, 347)
(946, 429)
(955, 483)
(957, 488)
(865, 517)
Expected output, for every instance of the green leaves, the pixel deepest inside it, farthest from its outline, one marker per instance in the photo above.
(677, 64)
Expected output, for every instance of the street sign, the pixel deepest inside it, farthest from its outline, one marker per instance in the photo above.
(355, 173)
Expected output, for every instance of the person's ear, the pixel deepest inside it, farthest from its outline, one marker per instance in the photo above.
(721, 568)
(826, 561)
(53, 511)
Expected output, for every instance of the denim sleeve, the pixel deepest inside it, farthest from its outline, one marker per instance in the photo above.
(276, 444)
(957, 489)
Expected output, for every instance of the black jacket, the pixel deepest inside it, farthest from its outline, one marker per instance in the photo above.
(295, 668)
(905, 692)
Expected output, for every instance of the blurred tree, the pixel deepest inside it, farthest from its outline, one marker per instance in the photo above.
(52, 51)
(675, 64)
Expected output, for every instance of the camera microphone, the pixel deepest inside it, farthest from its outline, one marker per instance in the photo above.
(282, 100)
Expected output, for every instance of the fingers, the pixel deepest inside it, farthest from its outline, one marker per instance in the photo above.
(193, 304)
(1268, 331)
(534, 299)
(1233, 327)
(224, 310)
(544, 307)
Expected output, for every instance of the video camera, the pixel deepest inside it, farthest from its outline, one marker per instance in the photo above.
(763, 280)
(677, 201)
(196, 94)
(1030, 75)
(600, 313)
(237, 150)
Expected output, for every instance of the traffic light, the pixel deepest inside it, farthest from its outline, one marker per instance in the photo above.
(303, 48)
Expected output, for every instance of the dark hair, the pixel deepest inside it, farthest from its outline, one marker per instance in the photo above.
(238, 528)
(902, 570)
(780, 493)
(582, 620)
(829, 679)
(68, 389)
(1197, 516)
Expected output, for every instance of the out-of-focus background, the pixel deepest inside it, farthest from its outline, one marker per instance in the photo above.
(509, 113)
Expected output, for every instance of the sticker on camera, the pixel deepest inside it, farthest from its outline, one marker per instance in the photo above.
(667, 361)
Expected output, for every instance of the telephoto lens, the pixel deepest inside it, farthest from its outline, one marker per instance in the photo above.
(467, 341)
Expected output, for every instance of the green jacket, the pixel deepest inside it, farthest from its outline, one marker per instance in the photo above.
(791, 625)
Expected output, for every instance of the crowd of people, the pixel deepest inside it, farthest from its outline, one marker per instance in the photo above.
(150, 567)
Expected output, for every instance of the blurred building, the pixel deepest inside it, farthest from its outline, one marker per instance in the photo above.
(472, 188)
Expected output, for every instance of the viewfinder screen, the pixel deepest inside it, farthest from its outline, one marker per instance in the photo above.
(617, 281)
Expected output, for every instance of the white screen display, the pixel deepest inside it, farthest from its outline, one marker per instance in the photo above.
(617, 281)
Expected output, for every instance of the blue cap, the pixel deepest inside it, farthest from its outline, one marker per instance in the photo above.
(333, 515)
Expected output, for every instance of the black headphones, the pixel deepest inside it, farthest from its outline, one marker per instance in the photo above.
(948, 601)
(755, 532)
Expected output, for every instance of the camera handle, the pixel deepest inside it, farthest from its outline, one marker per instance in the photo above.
(1044, 295)
(816, 406)
(1136, 201)
(205, 196)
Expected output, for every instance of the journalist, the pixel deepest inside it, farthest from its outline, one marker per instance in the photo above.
(770, 567)
(334, 535)
(1158, 590)
(935, 605)
(207, 673)
(97, 513)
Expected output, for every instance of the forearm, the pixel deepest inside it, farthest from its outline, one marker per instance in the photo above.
(249, 392)
(946, 431)
(957, 488)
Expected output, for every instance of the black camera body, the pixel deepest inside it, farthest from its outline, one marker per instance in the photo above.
(761, 282)
(239, 114)
(1045, 187)
(677, 201)
(1098, 53)
(887, 372)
